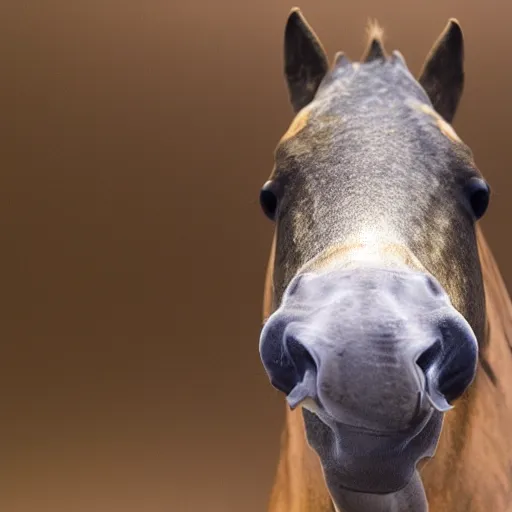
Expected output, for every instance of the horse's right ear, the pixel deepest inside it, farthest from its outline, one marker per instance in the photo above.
(305, 60)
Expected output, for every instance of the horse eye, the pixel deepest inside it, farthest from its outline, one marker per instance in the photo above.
(478, 194)
(268, 200)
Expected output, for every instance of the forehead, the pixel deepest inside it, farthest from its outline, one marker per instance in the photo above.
(361, 104)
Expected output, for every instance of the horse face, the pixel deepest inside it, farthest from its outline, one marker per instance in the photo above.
(376, 278)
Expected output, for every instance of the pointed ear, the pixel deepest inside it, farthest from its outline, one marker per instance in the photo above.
(442, 76)
(305, 61)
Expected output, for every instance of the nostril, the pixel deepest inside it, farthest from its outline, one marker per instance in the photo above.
(458, 366)
(429, 362)
(299, 355)
(449, 367)
(280, 369)
(429, 357)
(452, 384)
(305, 376)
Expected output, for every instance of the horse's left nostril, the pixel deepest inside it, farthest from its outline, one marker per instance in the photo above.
(427, 360)
(449, 365)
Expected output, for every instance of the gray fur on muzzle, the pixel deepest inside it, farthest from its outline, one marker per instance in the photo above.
(380, 354)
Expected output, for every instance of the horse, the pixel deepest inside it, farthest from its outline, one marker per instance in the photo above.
(386, 321)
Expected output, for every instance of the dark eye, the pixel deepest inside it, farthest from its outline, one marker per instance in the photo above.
(478, 193)
(268, 200)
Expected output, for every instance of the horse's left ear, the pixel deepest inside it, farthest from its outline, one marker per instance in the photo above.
(442, 75)
(305, 60)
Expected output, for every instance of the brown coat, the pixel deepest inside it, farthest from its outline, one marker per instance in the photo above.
(472, 469)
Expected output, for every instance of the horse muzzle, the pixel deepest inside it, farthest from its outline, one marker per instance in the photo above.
(377, 355)
(372, 348)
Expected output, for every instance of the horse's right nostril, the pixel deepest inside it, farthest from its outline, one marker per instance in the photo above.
(306, 371)
(299, 354)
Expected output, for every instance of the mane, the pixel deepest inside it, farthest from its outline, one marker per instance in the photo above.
(374, 32)
(374, 42)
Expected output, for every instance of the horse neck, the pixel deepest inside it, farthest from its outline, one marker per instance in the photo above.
(472, 468)
(299, 484)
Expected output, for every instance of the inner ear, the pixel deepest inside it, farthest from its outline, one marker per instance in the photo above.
(442, 75)
(305, 60)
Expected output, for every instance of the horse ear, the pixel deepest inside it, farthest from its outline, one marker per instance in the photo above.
(442, 75)
(305, 60)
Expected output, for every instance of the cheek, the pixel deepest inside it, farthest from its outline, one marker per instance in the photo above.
(457, 267)
(293, 243)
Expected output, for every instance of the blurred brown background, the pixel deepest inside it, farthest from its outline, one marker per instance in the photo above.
(135, 138)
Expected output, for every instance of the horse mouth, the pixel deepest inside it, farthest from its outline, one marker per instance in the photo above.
(421, 418)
